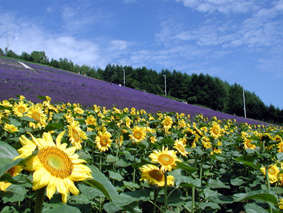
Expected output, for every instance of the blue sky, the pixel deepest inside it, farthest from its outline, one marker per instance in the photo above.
(239, 41)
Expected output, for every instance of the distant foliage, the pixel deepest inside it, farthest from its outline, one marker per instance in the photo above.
(199, 89)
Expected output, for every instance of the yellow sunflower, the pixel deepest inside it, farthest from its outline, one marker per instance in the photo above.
(54, 166)
(36, 113)
(273, 172)
(181, 147)
(10, 128)
(280, 147)
(20, 109)
(91, 120)
(166, 158)
(167, 123)
(206, 142)
(138, 134)
(215, 130)
(153, 175)
(76, 135)
(103, 141)
(248, 144)
(14, 171)
(280, 204)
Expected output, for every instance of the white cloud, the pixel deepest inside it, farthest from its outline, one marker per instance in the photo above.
(119, 44)
(222, 6)
(21, 36)
(260, 28)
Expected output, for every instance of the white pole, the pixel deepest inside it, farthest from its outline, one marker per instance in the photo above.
(165, 85)
(244, 102)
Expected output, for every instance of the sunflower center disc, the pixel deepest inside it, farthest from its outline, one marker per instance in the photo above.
(21, 109)
(36, 116)
(103, 141)
(165, 159)
(271, 171)
(55, 161)
(156, 174)
(137, 135)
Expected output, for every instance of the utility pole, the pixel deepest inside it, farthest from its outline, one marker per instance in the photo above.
(124, 77)
(165, 85)
(244, 102)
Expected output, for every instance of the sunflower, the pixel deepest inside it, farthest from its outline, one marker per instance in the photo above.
(76, 135)
(138, 134)
(54, 166)
(167, 123)
(153, 175)
(273, 172)
(206, 142)
(14, 171)
(103, 141)
(181, 147)
(248, 144)
(36, 113)
(10, 128)
(215, 130)
(20, 109)
(280, 147)
(91, 120)
(166, 158)
(280, 204)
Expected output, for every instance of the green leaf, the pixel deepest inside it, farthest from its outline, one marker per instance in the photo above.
(6, 164)
(186, 167)
(247, 163)
(25, 118)
(131, 185)
(111, 159)
(253, 208)
(9, 209)
(210, 194)
(279, 156)
(111, 208)
(14, 193)
(115, 176)
(237, 181)
(7, 151)
(101, 182)
(217, 184)
(15, 122)
(185, 180)
(121, 163)
(62, 208)
(54, 126)
(211, 205)
(260, 195)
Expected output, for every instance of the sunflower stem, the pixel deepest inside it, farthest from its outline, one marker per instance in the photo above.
(193, 199)
(155, 198)
(268, 186)
(165, 192)
(134, 175)
(100, 162)
(39, 201)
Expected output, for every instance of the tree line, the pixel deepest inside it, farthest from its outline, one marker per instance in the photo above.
(198, 89)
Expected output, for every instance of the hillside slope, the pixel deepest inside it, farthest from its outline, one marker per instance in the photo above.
(64, 86)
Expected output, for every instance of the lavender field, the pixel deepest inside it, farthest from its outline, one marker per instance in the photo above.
(64, 86)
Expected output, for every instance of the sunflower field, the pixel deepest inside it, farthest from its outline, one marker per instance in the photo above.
(66, 158)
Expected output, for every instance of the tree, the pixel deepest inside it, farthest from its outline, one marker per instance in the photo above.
(39, 57)
(235, 100)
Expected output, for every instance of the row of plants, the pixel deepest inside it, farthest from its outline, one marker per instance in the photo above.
(62, 157)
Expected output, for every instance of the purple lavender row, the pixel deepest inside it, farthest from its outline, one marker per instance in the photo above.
(64, 86)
